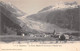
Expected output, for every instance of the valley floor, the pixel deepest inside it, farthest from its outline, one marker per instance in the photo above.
(27, 39)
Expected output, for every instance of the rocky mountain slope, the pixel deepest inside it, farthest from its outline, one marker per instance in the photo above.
(64, 15)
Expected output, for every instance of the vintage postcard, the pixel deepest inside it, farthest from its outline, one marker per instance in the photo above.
(39, 25)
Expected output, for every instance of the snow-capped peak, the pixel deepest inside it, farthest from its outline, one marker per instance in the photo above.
(61, 6)
(65, 5)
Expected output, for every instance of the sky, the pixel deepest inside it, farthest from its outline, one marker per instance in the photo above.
(33, 6)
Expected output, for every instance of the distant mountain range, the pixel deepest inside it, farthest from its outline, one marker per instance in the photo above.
(63, 17)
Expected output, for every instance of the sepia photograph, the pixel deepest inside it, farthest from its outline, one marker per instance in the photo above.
(39, 25)
(54, 21)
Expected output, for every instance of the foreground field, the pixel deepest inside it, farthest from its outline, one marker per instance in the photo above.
(14, 38)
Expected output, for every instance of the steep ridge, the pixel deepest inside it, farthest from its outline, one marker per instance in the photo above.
(13, 18)
(12, 9)
(9, 21)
